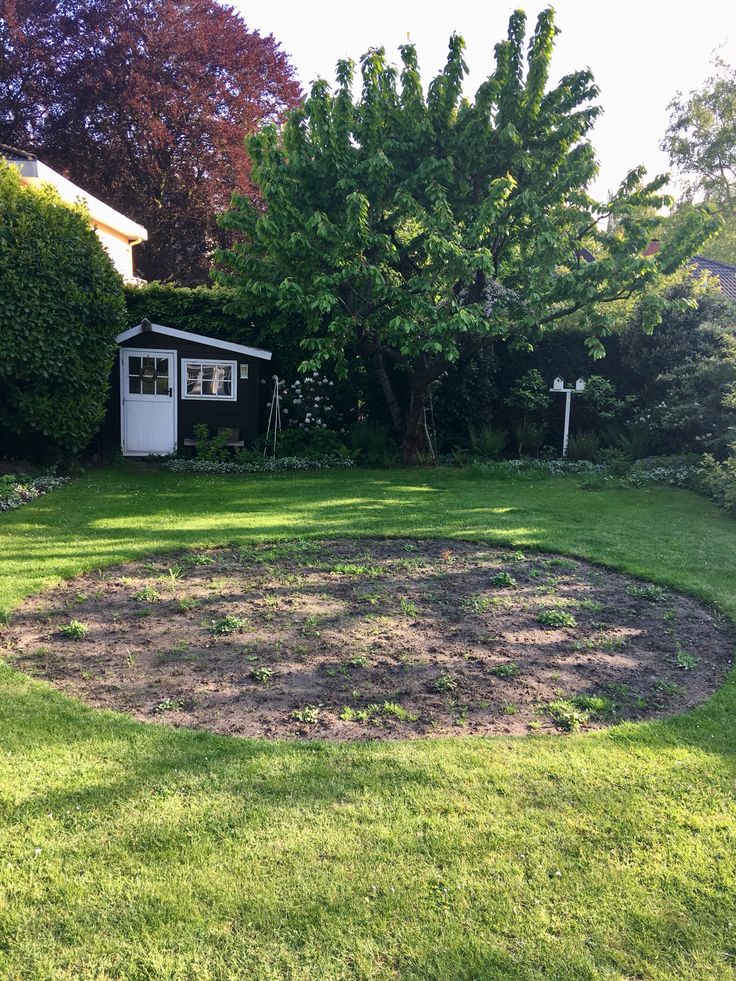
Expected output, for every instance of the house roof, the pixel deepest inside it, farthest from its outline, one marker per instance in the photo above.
(186, 335)
(33, 170)
(725, 272)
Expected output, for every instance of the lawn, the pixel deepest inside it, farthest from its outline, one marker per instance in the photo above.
(139, 851)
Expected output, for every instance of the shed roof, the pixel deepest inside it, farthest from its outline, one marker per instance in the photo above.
(186, 335)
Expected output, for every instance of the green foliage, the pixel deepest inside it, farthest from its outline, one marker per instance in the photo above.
(372, 445)
(229, 624)
(529, 437)
(510, 670)
(75, 630)
(503, 580)
(584, 446)
(567, 715)
(488, 442)
(718, 478)
(412, 230)
(444, 683)
(555, 618)
(61, 310)
(209, 447)
(648, 591)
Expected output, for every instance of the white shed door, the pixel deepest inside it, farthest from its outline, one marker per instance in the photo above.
(148, 380)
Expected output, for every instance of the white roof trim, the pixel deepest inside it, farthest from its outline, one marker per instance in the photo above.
(186, 335)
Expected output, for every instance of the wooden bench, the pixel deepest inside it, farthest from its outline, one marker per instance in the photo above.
(233, 441)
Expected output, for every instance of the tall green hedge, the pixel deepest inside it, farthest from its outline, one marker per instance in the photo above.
(61, 307)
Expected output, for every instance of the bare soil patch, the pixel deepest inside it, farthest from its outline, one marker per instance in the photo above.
(357, 639)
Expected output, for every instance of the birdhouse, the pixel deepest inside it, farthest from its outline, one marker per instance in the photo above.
(580, 385)
(558, 384)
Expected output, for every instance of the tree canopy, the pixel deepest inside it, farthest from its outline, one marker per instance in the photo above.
(62, 307)
(701, 143)
(414, 229)
(144, 103)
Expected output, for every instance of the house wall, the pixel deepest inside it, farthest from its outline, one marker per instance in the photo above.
(118, 248)
(242, 413)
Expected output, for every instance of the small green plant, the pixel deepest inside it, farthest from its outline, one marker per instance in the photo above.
(503, 580)
(198, 560)
(262, 674)
(596, 705)
(228, 625)
(185, 604)
(75, 629)
(444, 683)
(147, 595)
(351, 569)
(648, 592)
(168, 705)
(566, 715)
(174, 573)
(476, 604)
(309, 714)
(309, 627)
(397, 711)
(555, 617)
(685, 661)
(510, 708)
(516, 556)
(408, 609)
(359, 661)
(510, 670)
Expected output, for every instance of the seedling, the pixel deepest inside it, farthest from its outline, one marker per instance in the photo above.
(555, 617)
(510, 670)
(596, 705)
(408, 609)
(175, 573)
(262, 674)
(444, 683)
(186, 604)
(510, 708)
(75, 629)
(398, 712)
(147, 595)
(566, 715)
(169, 705)
(309, 627)
(308, 714)
(503, 580)
(476, 604)
(198, 560)
(228, 625)
(516, 557)
(685, 661)
(649, 592)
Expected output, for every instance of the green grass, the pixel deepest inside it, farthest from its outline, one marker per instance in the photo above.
(134, 851)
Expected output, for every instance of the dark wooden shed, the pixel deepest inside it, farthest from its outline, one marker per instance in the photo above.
(168, 380)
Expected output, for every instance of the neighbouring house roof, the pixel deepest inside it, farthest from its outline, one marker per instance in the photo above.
(725, 273)
(185, 335)
(32, 170)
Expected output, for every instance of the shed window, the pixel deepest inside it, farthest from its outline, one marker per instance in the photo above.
(209, 379)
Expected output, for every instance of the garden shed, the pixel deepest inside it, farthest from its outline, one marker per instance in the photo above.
(167, 381)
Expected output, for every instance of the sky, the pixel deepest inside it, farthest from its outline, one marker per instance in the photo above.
(641, 53)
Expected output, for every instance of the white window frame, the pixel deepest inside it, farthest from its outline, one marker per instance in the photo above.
(233, 365)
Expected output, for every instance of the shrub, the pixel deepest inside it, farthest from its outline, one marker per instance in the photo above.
(372, 445)
(211, 448)
(529, 437)
(719, 479)
(62, 307)
(488, 442)
(584, 446)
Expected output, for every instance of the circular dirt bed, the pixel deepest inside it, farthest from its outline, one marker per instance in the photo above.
(372, 639)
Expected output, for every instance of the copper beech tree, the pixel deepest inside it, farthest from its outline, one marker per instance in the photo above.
(413, 230)
(144, 103)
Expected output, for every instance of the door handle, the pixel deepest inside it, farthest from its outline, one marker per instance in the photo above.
(171, 392)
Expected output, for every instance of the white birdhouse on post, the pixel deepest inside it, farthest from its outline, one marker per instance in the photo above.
(558, 385)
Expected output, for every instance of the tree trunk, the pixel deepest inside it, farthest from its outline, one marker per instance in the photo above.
(393, 405)
(413, 431)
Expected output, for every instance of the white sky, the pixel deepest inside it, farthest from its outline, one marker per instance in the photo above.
(641, 52)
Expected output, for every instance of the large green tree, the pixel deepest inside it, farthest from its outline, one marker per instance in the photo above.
(61, 307)
(701, 143)
(413, 230)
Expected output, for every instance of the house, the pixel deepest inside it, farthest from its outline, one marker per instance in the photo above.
(117, 233)
(166, 381)
(722, 271)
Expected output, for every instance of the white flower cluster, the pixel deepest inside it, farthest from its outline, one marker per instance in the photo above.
(307, 402)
(268, 465)
(17, 491)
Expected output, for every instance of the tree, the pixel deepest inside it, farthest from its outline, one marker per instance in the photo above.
(701, 143)
(62, 307)
(413, 230)
(144, 103)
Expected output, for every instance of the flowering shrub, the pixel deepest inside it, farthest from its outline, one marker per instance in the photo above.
(17, 489)
(264, 465)
(307, 403)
